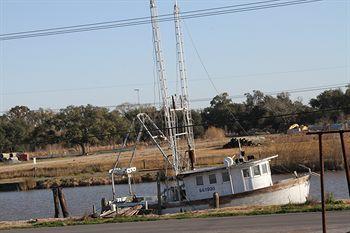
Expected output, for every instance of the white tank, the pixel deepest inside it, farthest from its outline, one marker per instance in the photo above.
(228, 161)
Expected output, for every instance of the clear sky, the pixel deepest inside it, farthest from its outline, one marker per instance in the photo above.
(270, 50)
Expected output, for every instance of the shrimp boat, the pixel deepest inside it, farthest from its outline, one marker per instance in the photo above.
(238, 181)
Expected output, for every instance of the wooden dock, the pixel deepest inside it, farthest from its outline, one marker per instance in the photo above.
(17, 184)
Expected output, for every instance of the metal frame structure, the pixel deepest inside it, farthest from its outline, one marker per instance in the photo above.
(149, 126)
(170, 106)
(169, 116)
(184, 100)
(347, 169)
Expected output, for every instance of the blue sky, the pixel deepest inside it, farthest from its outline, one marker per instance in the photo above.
(269, 50)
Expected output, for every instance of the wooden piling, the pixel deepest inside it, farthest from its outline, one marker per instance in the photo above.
(320, 133)
(94, 212)
(346, 166)
(103, 205)
(322, 184)
(159, 195)
(216, 200)
(56, 201)
(192, 157)
(63, 203)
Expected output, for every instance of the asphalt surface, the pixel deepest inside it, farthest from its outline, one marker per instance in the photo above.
(299, 222)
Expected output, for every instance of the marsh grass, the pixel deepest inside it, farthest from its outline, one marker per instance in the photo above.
(92, 170)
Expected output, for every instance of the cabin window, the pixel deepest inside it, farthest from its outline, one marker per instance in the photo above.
(212, 178)
(256, 170)
(263, 168)
(246, 172)
(225, 176)
(199, 180)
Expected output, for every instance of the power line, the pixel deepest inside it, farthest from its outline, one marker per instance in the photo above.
(300, 90)
(200, 58)
(145, 20)
(305, 112)
(190, 80)
(126, 20)
(280, 72)
(210, 79)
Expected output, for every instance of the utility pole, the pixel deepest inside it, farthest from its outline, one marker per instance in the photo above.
(138, 96)
(347, 170)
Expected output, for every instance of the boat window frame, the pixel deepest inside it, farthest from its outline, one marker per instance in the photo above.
(262, 170)
(199, 183)
(210, 181)
(227, 177)
(253, 168)
(249, 173)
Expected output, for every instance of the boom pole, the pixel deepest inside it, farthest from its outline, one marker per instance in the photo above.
(169, 116)
(185, 103)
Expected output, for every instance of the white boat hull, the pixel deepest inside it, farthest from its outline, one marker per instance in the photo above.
(290, 191)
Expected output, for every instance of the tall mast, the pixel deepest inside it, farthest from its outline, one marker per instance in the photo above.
(169, 116)
(187, 116)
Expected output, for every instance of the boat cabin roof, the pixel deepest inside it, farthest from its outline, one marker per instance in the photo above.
(209, 169)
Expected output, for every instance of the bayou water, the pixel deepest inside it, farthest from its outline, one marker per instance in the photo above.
(39, 204)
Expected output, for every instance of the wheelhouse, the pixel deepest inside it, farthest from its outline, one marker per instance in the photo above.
(233, 178)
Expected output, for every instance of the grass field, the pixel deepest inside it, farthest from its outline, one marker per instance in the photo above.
(92, 169)
(221, 212)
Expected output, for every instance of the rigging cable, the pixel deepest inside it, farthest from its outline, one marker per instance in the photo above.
(210, 79)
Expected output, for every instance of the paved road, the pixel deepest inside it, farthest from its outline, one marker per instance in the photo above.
(303, 222)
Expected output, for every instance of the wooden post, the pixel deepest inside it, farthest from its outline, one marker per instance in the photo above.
(34, 167)
(216, 200)
(322, 184)
(347, 172)
(56, 201)
(159, 195)
(103, 204)
(94, 212)
(192, 157)
(322, 168)
(63, 203)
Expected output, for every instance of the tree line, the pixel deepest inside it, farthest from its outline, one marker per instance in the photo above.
(22, 129)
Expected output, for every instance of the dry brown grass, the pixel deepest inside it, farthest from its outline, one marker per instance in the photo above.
(292, 150)
(214, 133)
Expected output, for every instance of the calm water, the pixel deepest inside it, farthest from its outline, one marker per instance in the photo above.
(39, 204)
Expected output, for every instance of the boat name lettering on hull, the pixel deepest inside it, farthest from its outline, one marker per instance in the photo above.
(206, 189)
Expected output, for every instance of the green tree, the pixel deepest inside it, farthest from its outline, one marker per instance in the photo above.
(83, 125)
(17, 125)
(45, 131)
(4, 142)
(223, 113)
(117, 126)
(198, 128)
(332, 99)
